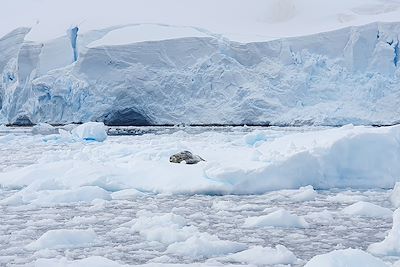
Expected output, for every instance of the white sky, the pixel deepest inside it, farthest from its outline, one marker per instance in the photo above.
(242, 20)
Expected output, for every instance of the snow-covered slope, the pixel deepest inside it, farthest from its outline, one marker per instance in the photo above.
(152, 73)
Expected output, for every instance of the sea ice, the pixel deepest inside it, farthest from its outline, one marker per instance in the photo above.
(264, 256)
(98, 261)
(395, 195)
(165, 228)
(55, 196)
(367, 209)
(345, 258)
(319, 159)
(126, 194)
(321, 217)
(279, 218)
(64, 238)
(391, 244)
(306, 193)
(343, 197)
(204, 245)
(94, 261)
(44, 129)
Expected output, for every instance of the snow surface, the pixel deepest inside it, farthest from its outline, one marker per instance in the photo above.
(145, 33)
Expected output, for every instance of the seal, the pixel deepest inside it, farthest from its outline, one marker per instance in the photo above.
(186, 156)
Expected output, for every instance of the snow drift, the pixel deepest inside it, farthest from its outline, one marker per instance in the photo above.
(191, 75)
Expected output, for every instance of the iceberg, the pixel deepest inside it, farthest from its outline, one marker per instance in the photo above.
(90, 131)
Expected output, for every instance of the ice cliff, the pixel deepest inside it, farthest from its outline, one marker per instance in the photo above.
(192, 76)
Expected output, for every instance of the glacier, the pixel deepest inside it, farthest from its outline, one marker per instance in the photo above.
(194, 76)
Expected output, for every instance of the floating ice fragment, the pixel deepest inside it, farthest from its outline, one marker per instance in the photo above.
(64, 238)
(391, 244)
(279, 218)
(204, 245)
(90, 131)
(367, 209)
(44, 129)
(264, 256)
(345, 258)
(395, 196)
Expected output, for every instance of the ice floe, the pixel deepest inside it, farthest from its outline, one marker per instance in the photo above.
(64, 238)
(391, 244)
(264, 256)
(279, 218)
(322, 159)
(344, 258)
(367, 209)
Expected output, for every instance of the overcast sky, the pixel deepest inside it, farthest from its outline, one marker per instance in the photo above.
(265, 18)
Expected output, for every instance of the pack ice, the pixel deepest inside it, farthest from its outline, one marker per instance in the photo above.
(122, 75)
(79, 170)
(71, 188)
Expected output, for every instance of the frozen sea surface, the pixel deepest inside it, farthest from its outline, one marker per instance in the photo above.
(39, 196)
(24, 224)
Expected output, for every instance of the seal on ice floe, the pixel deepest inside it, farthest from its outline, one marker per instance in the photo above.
(186, 156)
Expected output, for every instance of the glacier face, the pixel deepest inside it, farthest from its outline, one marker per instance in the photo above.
(351, 75)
